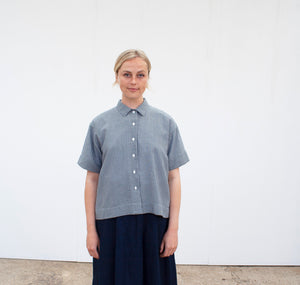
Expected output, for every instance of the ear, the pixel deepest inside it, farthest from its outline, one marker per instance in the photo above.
(117, 78)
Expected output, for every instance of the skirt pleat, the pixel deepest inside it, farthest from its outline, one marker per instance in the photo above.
(129, 252)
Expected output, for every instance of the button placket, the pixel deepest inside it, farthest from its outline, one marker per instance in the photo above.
(134, 171)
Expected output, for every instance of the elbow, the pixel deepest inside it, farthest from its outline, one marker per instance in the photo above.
(92, 177)
(173, 174)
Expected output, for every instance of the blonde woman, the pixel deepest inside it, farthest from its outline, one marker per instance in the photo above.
(132, 154)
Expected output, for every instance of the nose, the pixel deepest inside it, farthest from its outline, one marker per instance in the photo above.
(133, 79)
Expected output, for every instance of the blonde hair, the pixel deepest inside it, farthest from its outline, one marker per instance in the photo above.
(130, 54)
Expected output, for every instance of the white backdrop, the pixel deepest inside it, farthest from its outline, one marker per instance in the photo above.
(228, 73)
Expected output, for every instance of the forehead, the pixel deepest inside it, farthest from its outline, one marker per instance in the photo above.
(134, 64)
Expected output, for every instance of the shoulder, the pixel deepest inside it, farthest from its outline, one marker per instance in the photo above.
(162, 116)
(104, 116)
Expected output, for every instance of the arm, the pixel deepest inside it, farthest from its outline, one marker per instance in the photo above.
(92, 240)
(170, 239)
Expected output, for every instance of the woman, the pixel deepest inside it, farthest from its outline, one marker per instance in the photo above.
(132, 154)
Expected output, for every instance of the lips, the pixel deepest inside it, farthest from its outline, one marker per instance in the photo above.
(133, 89)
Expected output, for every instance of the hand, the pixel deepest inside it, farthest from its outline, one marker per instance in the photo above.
(93, 244)
(169, 243)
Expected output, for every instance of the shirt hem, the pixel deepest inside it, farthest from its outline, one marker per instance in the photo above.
(133, 209)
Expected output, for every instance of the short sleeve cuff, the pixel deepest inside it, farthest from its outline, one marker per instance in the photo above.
(88, 166)
(179, 161)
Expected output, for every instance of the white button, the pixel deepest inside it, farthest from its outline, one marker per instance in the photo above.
(133, 112)
(133, 171)
(133, 139)
(135, 188)
(133, 123)
(133, 155)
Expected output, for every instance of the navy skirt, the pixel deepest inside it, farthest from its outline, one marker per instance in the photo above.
(129, 252)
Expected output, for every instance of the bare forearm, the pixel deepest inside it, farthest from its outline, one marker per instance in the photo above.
(90, 194)
(175, 199)
(170, 240)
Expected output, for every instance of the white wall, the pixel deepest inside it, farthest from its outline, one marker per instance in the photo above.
(225, 70)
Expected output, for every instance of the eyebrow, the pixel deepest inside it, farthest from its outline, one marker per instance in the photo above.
(131, 72)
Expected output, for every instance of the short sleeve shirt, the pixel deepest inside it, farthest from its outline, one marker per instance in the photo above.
(133, 151)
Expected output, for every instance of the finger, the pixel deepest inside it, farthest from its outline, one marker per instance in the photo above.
(162, 247)
(94, 254)
(165, 253)
(169, 251)
(172, 251)
(92, 251)
(98, 251)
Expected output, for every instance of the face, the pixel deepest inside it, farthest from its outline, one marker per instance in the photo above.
(133, 78)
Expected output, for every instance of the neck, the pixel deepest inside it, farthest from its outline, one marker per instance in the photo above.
(132, 103)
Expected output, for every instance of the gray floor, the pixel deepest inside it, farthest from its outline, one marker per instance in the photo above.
(31, 272)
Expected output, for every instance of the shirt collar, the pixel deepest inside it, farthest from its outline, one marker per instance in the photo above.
(124, 109)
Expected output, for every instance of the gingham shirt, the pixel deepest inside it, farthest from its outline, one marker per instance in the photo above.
(133, 151)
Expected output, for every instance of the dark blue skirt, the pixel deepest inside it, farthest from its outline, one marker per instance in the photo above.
(129, 252)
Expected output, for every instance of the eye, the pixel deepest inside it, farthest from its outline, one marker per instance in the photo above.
(126, 74)
(141, 75)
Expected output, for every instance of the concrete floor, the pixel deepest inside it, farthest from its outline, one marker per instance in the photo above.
(31, 272)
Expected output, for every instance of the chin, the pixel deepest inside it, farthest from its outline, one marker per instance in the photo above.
(133, 96)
